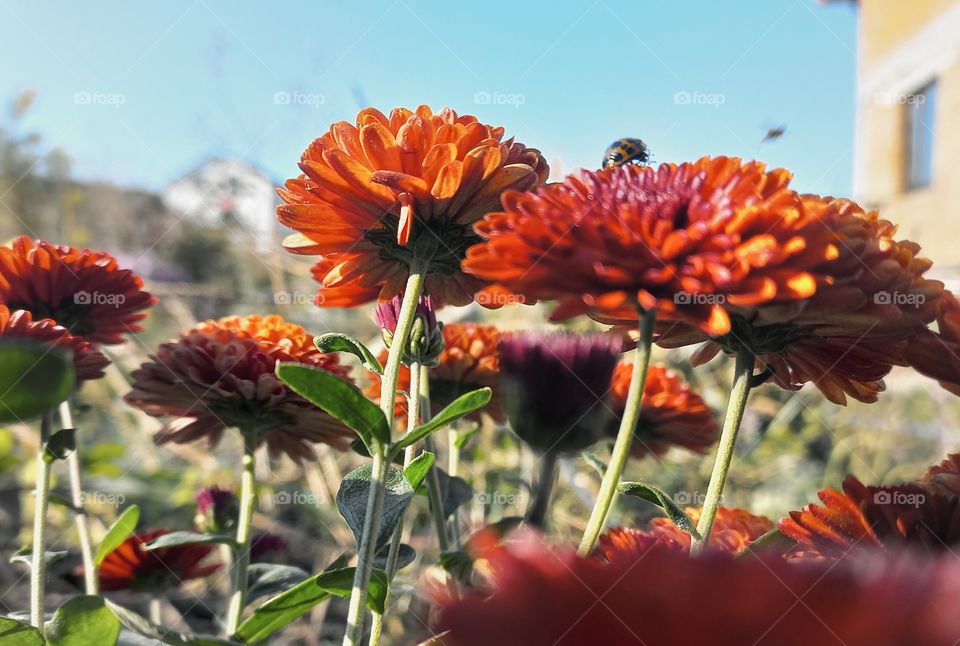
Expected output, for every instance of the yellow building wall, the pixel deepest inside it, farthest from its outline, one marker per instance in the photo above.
(884, 24)
(930, 215)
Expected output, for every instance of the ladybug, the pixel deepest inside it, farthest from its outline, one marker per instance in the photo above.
(626, 151)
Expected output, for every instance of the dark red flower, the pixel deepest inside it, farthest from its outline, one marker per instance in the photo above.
(937, 354)
(217, 510)
(221, 374)
(82, 290)
(130, 567)
(859, 518)
(19, 325)
(541, 596)
(555, 388)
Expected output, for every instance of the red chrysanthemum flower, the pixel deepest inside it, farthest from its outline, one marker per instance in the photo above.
(380, 193)
(88, 363)
(671, 413)
(871, 297)
(221, 374)
(470, 360)
(733, 531)
(82, 290)
(606, 243)
(130, 567)
(944, 478)
(937, 354)
(861, 517)
(550, 597)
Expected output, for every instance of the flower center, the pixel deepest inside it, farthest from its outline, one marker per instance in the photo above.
(68, 313)
(764, 339)
(439, 242)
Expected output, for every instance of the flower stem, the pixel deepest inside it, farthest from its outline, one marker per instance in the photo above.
(434, 489)
(413, 419)
(537, 513)
(38, 569)
(91, 583)
(728, 439)
(241, 561)
(621, 446)
(380, 467)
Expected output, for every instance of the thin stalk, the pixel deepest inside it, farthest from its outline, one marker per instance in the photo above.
(38, 569)
(621, 446)
(434, 490)
(155, 610)
(413, 419)
(537, 512)
(453, 452)
(241, 561)
(388, 392)
(728, 439)
(91, 582)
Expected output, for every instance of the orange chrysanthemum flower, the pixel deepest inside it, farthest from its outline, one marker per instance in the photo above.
(544, 596)
(380, 193)
(937, 354)
(870, 298)
(671, 413)
(221, 374)
(910, 515)
(733, 531)
(82, 290)
(88, 363)
(682, 239)
(130, 567)
(470, 360)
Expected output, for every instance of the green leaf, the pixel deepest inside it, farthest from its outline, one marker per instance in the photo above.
(142, 626)
(464, 437)
(340, 399)
(174, 539)
(18, 633)
(269, 578)
(339, 342)
(418, 469)
(462, 405)
(120, 531)
(60, 445)
(25, 556)
(773, 541)
(298, 600)
(405, 556)
(454, 491)
(61, 501)
(352, 501)
(595, 462)
(659, 498)
(83, 621)
(33, 379)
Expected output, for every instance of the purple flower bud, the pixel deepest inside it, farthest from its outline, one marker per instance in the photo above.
(555, 387)
(388, 314)
(217, 510)
(263, 545)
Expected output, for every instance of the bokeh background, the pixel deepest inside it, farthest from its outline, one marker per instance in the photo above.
(159, 132)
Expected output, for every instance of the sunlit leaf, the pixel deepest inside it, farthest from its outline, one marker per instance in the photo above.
(33, 379)
(659, 498)
(120, 531)
(339, 342)
(462, 405)
(83, 621)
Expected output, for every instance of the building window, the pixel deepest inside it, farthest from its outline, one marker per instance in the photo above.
(920, 108)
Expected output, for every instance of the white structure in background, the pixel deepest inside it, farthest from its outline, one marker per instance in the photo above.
(230, 193)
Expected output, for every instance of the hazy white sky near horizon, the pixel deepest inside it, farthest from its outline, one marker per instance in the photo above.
(140, 95)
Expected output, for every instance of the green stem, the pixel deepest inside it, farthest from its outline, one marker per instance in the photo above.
(728, 439)
(453, 452)
(434, 489)
(241, 561)
(380, 467)
(38, 568)
(537, 513)
(413, 419)
(91, 582)
(621, 446)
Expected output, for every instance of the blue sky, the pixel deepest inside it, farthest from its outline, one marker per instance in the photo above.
(139, 94)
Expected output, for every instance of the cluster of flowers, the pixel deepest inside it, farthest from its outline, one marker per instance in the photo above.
(717, 252)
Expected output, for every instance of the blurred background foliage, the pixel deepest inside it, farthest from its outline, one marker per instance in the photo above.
(791, 443)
